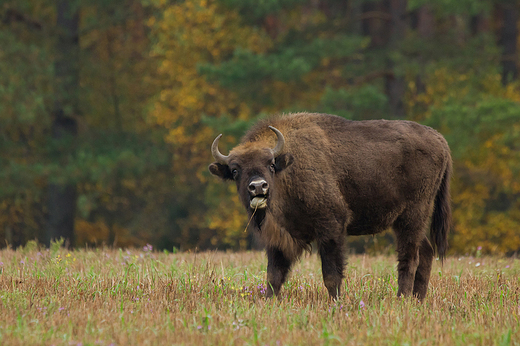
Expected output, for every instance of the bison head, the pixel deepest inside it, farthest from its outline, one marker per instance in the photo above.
(253, 167)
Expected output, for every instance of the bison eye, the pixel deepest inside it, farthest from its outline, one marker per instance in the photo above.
(272, 167)
(234, 173)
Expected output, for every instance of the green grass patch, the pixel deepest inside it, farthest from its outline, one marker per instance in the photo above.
(139, 297)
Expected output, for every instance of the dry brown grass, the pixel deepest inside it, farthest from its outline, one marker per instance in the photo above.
(138, 297)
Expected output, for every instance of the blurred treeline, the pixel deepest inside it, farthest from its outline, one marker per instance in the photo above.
(108, 107)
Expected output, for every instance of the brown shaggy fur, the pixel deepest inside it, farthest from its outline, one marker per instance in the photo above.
(337, 177)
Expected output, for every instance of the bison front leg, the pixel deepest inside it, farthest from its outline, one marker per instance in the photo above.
(332, 265)
(278, 266)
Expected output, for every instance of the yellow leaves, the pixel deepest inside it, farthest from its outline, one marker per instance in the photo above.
(229, 221)
(473, 197)
(440, 86)
(129, 184)
(512, 92)
(474, 225)
(90, 232)
(498, 159)
(190, 33)
(497, 233)
(299, 18)
(486, 170)
(98, 232)
(21, 216)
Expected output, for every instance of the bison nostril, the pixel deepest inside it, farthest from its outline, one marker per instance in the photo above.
(258, 187)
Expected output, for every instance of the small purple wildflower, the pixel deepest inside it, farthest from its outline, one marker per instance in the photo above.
(507, 266)
(362, 305)
(199, 327)
(148, 248)
(61, 309)
(479, 248)
(22, 262)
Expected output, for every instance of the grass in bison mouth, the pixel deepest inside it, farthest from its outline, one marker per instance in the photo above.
(258, 202)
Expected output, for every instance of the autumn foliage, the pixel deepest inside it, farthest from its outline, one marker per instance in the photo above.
(158, 80)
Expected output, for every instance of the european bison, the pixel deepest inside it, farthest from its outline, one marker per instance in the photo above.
(318, 177)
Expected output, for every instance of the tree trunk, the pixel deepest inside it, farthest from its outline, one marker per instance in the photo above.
(395, 83)
(62, 196)
(479, 23)
(508, 41)
(374, 22)
(425, 22)
(425, 26)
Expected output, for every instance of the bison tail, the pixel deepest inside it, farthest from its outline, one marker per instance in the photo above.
(441, 218)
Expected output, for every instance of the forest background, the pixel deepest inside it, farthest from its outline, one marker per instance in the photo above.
(108, 108)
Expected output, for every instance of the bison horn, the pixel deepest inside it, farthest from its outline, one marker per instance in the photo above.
(280, 142)
(222, 159)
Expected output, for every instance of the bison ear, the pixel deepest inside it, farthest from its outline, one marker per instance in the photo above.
(283, 161)
(220, 170)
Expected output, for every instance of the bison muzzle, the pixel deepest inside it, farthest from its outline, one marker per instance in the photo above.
(318, 177)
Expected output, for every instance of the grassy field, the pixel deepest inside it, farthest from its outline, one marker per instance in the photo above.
(141, 297)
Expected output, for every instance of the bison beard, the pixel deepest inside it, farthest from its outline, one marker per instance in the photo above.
(321, 177)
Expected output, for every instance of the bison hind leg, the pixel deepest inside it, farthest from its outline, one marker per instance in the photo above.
(415, 254)
(408, 257)
(422, 275)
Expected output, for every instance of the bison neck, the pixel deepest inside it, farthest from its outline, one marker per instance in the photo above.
(275, 235)
(258, 218)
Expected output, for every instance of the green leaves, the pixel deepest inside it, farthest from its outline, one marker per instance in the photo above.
(288, 64)
(469, 123)
(358, 103)
(257, 9)
(450, 7)
(97, 158)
